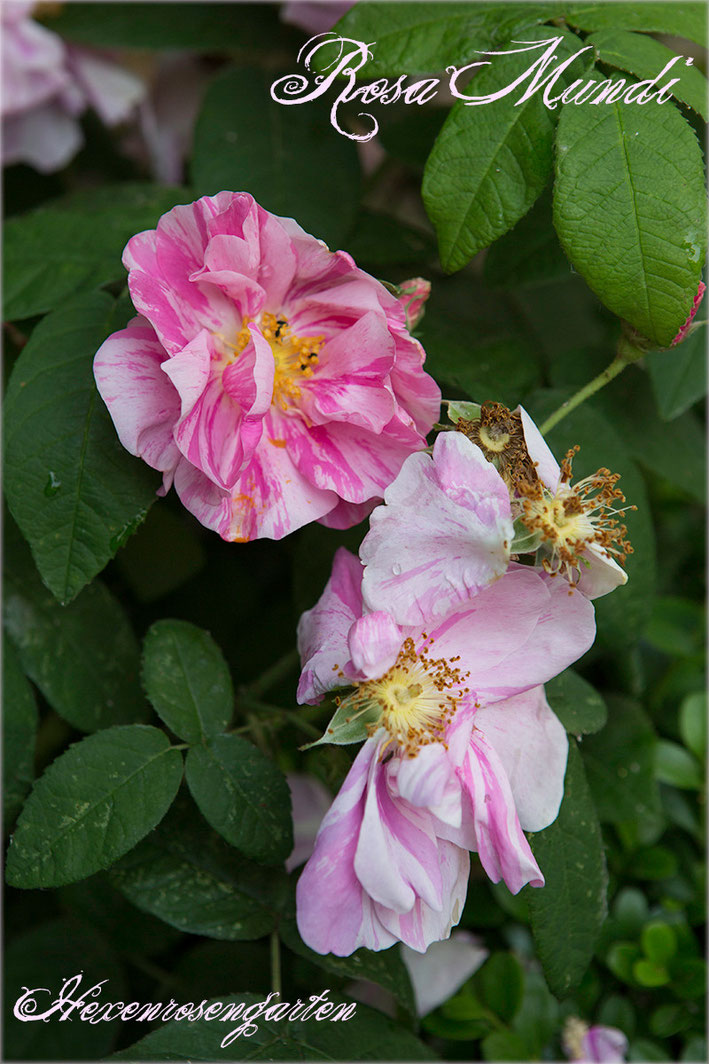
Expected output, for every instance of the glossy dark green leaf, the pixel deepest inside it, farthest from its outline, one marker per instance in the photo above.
(19, 728)
(74, 244)
(187, 680)
(612, 164)
(83, 657)
(186, 875)
(620, 763)
(421, 38)
(243, 795)
(73, 490)
(491, 162)
(645, 57)
(385, 967)
(246, 141)
(92, 805)
(576, 703)
(366, 1035)
(568, 912)
(677, 19)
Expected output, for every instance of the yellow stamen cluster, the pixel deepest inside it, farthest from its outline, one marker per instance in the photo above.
(572, 1037)
(576, 516)
(418, 697)
(295, 357)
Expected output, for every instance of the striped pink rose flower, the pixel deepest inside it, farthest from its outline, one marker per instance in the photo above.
(269, 379)
(462, 752)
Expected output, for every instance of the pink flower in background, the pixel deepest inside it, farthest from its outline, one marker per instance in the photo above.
(310, 801)
(593, 1045)
(577, 520)
(315, 16)
(462, 753)
(444, 533)
(47, 84)
(269, 378)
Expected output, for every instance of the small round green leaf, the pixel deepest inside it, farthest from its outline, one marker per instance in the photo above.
(693, 723)
(92, 805)
(576, 703)
(187, 680)
(677, 766)
(243, 795)
(659, 942)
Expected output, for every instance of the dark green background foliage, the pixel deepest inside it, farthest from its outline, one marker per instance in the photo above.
(150, 692)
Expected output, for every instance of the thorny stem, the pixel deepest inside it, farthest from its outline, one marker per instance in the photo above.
(625, 354)
(275, 962)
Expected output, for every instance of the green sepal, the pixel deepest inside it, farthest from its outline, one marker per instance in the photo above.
(460, 411)
(524, 541)
(347, 726)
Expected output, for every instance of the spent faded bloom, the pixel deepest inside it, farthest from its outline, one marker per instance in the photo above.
(576, 526)
(47, 84)
(270, 379)
(444, 533)
(461, 752)
(593, 1045)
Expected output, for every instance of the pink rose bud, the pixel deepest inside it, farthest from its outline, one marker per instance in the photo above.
(412, 296)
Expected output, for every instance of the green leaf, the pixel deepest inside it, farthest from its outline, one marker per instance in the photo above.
(528, 255)
(131, 932)
(677, 766)
(659, 942)
(656, 862)
(92, 805)
(502, 983)
(367, 1035)
(646, 57)
(74, 244)
(73, 490)
(386, 968)
(622, 615)
(458, 411)
(689, 977)
(645, 1051)
(676, 19)
(503, 1045)
(245, 140)
(679, 376)
(348, 725)
(568, 912)
(187, 680)
(620, 959)
(203, 27)
(693, 723)
(46, 955)
(576, 703)
(537, 1018)
(186, 875)
(83, 657)
(612, 164)
(669, 1020)
(418, 38)
(648, 973)
(676, 626)
(490, 163)
(19, 728)
(620, 763)
(243, 795)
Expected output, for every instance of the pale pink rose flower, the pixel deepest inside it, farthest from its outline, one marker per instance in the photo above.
(598, 573)
(593, 1045)
(310, 801)
(269, 378)
(463, 753)
(315, 16)
(444, 533)
(46, 85)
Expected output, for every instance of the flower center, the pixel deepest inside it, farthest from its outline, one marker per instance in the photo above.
(499, 434)
(295, 357)
(417, 697)
(576, 516)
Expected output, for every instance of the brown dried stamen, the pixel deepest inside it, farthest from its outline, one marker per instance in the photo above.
(499, 434)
